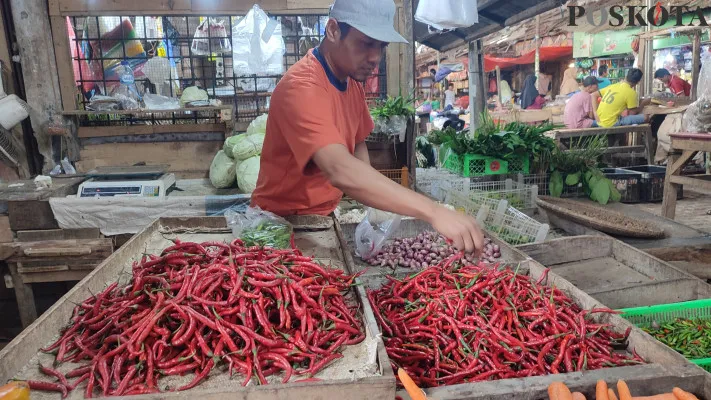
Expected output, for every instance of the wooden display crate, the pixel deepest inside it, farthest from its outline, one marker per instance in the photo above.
(316, 236)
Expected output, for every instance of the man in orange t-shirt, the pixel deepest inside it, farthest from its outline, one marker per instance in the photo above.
(315, 148)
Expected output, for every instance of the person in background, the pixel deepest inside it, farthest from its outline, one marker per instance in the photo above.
(463, 102)
(315, 150)
(620, 97)
(529, 94)
(602, 78)
(579, 110)
(449, 97)
(570, 83)
(678, 86)
(506, 92)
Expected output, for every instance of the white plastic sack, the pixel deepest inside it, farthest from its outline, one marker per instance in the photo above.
(447, 14)
(372, 233)
(257, 45)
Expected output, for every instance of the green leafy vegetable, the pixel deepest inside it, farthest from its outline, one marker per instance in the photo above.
(601, 191)
(267, 234)
(572, 179)
(393, 106)
(556, 184)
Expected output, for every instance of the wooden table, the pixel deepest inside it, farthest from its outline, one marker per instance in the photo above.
(659, 110)
(28, 208)
(683, 148)
(560, 134)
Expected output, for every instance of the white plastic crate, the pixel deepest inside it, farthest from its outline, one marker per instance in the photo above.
(462, 203)
(519, 195)
(513, 226)
(431, 180)
(510, 224)
(541, 180)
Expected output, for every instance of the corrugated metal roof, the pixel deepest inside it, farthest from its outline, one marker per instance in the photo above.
(493, 16)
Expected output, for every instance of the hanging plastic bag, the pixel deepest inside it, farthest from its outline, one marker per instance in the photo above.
(257, 227)
(257, 45)
(447, 14)
(372, 233)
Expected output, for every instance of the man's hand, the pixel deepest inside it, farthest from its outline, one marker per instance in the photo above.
(366, 185)
(460, 228)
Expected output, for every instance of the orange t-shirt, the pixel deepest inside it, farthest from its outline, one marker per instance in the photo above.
(310, 109)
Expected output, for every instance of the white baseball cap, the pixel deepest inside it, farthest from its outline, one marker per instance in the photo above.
(375, 18)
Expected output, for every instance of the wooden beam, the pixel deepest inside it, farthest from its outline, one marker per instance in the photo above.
(695, 65)
(93, 7)
(63, 55)
(539, 8)
(25, 297)
(62, 276)
(484, 4)
(691, 182)
(108, 131)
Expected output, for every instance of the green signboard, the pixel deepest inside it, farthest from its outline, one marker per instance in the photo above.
(680, 40)
(603, 44)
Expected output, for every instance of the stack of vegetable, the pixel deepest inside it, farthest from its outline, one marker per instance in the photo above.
(457, 322)
(690, 337)
(391, 115)
(239, 158)
(427, 248)
(579, 166)
(507, 142)
(558, 391)
(195, 307)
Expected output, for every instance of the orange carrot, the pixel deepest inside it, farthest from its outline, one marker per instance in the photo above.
(412, 389)
(611, 394)
(578, 396)
(682, 395)
(623, 390)
(601, 391)
(558, 391)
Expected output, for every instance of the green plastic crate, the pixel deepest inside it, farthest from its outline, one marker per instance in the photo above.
(471, 165)
(644, 316)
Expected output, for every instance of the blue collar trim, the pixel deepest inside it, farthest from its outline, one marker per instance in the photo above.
(342, 86)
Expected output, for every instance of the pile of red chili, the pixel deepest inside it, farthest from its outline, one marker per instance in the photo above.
(253, 311)
(455, 323)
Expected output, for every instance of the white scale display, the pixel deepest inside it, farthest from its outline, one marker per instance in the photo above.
(140, 187)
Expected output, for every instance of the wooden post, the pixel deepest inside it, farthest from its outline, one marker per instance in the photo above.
(39, 69)
(477, 94)
(25, 296)
(538, 46)
(498, 82)
(696, 64)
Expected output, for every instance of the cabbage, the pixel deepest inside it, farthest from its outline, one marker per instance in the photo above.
(259, 125)
(222, 171)
(247, 174)
(248, 146)
(230, 143)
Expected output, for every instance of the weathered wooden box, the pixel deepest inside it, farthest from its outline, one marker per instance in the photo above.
(615, 273)
(347, 378)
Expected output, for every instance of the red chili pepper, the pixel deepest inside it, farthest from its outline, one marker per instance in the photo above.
(48, 387)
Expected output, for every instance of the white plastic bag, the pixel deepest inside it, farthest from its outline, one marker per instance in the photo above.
(447, 14)
(257, 227)
(372, 233)
(257, 45)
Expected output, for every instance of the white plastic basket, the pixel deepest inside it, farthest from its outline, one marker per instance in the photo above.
(513, 226)
(518, 195)
(508, 223)
(541, 180)
(431, 180)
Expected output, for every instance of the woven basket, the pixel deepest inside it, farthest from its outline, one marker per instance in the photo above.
(600, 218)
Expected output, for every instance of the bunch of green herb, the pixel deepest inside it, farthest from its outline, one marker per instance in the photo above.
(268, 233)
(393, 106)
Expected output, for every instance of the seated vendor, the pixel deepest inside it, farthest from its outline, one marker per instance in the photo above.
(530, 98)
(619, 98)
(315, 149)
(678, 86)
(579, 110)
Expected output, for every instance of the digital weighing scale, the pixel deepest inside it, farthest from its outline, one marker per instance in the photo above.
(138, 181)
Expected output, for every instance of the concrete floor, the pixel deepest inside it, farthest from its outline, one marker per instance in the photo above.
(692, 211)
